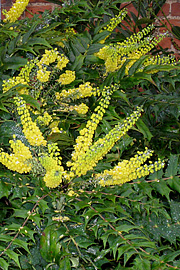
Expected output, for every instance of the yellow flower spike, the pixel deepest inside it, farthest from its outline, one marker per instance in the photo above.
(132, 48)
(44, 119)
(43, 74)
(48, 57)
(22, 78)
(30, 129)
(113, 23)
(130, 170)
(86, 157)
(81, 109)
(62, 61)
(67, 77)
(51, 162)
(84, 141)
(84, 90)
(53, 178)
(15, 11)
(19, 160)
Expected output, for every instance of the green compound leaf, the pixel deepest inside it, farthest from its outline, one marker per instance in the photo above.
(172, 166)
(100, 36)
(38, 40)
(4, 189)
(83, 242)
(142, 264)
(175, 211)
(49, 248)
(162, 188)
(142, 127)
(14, 62)
(78, 62)
(176, 31)
(13, 256)
(137, 65)
(174, 183)
(65, 264)
(3, 264)
(27, 34)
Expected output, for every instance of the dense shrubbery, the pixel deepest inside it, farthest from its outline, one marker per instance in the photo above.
(80, 109)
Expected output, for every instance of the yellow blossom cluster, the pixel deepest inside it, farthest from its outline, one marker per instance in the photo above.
(19, 160)
(82, 91)
(22, 78)
(43, 75)
(81, 109)
(67, 77)
(86, 157)
(51, 162)
(49, 57)
(55, 129)
(113, 23)
(15, 11)
(44, 119)
(128, 170)
(70, 31)
(132, 49)
(30, 129)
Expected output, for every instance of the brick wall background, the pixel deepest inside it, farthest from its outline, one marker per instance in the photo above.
(171, 9)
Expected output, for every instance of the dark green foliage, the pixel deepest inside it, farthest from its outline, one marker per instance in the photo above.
(133, 226)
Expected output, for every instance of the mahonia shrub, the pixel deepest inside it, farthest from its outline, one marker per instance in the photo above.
(60, 171)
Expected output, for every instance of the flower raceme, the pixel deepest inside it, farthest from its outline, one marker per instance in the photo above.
(86, 154)
(40, 67)
(86, 158)
(19, 159)
(113, 23)
(132, 49)
(16, 11)
(30, 129)
(128, 170)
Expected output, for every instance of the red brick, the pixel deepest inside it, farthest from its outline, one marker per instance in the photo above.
(175, 9)
(173, 22)
(36, 9)
(165, 9)
(7, 2)
(38, 1)
(130, 7)
(166, 43)
(176, 43)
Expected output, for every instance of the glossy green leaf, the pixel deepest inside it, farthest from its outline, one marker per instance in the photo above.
(3, 264)
(143, 128)
(65, 264)
(32, 101)
(13, 256)
(137, 65)
(172, 166)
(38, 40)
(13, 62)
(4, 188)
(49, 245)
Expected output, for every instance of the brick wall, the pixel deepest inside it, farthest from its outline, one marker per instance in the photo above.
(171, 9)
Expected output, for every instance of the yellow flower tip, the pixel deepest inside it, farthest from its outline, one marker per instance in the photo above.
(71, 193)
(53, 178)
(15, 11)
(67, 77)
